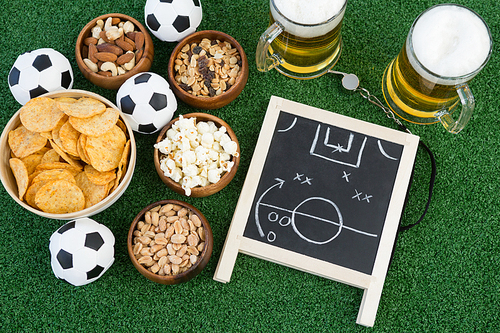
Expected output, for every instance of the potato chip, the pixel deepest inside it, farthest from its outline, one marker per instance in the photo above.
(93, 193)
(60, 197)
(53, 174)
(122, 125)
(63, 102)
(40, 114)
(59, 165)
(65, 156)
(97, 177)
(105, 151)
(24, 142)
(32, 161)
(83, 108)
(21, 174)
(69, 136)
(48, 176)
(56, 130)
(122, 166)
(50, 156)
(80, 147)
(47, 135)
(96, 125)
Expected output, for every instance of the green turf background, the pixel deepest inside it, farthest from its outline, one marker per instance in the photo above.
(445, 273)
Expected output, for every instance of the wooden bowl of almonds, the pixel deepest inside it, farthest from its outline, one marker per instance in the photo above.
(207, 165)
(112, 48)
(208, 69)
(170, 242)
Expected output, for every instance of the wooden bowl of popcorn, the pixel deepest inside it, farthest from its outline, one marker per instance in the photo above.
(208, 69)
(112, 48)
(170, 242)
(197, 154)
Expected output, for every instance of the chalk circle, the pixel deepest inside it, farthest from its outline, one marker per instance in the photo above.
(285, 221)
(271, 236)
(296, 213)
(273, 216)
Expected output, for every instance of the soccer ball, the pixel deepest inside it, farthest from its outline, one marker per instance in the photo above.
(172, 20)
(147, 102)
(81, 251)
(38, 72)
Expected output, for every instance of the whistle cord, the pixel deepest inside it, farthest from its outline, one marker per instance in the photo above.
(351, 82)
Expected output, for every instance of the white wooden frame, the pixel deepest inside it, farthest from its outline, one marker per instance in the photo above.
(236, 242)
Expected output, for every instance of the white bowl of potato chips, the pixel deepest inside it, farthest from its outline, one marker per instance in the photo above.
(67, 154)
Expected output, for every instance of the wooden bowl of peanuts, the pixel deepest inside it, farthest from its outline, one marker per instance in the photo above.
(208, 69)
(112, 48)
(170, 242)
(210, 162)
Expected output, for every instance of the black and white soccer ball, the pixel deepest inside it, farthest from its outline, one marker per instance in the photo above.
(172, 20)
(38, 72)
(81, 251)
(147, 102)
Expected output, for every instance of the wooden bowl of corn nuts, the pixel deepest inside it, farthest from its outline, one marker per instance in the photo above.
(170, 242)
(208, 69)
(208, 165)
(112, 48)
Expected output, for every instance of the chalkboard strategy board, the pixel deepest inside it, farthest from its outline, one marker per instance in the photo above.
(324, 194)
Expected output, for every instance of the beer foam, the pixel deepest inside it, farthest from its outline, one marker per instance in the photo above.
(450, 41)
(294, 14)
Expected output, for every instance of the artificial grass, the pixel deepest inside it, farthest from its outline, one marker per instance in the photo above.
(444, 276)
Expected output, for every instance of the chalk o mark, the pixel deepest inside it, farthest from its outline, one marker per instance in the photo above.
(290, 127)
(271, 236)
(273, 216)
(383, 152)
(285, 221)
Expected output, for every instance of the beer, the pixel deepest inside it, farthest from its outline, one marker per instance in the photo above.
(310, 42)
(446, 47)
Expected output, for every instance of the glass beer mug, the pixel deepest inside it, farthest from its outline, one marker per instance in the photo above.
(303, 40)
(446, 47)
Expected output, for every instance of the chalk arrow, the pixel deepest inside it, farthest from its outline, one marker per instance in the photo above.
(279, 184)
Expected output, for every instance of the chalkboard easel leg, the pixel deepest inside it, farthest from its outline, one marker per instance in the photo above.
(369, 305)
(227, 259)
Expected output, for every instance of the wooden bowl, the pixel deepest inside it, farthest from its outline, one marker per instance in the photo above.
(208, 102)
(114, 82)
(204, 191)
(204, 256)
(9, 182)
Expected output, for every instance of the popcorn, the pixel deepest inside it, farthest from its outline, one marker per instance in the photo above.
(196, 154)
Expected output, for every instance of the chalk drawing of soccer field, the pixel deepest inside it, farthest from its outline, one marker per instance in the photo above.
(344, 148)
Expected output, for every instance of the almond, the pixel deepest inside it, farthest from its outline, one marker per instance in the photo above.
(123, 59)
(131, 42)
(92, 52)
(115, 20)
(138, 55)
(124, 45)
(107, 74)
(106, 56)
(103, 35)
(139, 40)
(106, 47)
(90, 40)
(131, 35)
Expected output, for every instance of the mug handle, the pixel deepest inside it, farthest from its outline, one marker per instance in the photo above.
(264, 62)
(468, 103)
